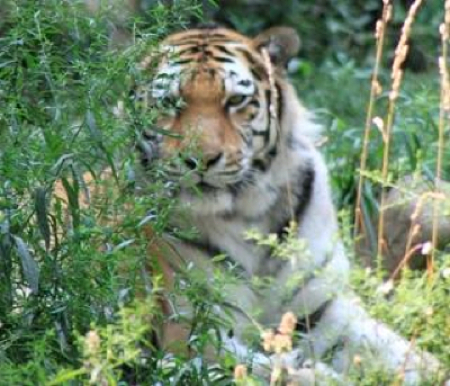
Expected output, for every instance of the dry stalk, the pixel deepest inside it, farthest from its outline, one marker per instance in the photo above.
(418, 210)
(444, 114)
(375, 90)
(396, 76)
(404, 261)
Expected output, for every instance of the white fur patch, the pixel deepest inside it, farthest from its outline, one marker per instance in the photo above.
(166, 82)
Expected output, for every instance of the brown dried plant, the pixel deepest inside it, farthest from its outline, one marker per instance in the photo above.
(396, 76)
(375, 90)
(444, 115)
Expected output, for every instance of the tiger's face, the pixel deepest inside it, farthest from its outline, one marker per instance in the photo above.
(218, 94)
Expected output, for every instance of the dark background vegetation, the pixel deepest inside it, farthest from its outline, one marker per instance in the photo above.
(63, 67)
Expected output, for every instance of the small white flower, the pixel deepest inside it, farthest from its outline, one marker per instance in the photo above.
(357, 360)
(378, 122)
(446, 273)
(426, 248)
(385, 288)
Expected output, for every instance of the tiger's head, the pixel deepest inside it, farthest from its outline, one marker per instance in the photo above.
(221, 97)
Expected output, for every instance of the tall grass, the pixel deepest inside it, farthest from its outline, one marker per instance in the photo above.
(389, 175)
(375, 91)
(444, 116)
(396, 75)
(385, 125)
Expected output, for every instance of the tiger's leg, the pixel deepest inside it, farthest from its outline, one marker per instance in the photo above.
(307, 374)
(346, 321)
(396, 353)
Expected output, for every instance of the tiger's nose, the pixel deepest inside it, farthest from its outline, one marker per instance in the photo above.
(208, 161)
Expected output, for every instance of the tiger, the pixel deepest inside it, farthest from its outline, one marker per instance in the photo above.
(236, 127)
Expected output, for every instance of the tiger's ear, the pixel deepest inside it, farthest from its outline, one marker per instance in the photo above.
(281, 43)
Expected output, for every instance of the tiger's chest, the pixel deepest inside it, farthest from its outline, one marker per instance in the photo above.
(251, 229)
(232, 237)
(260, 273)
(223, 220)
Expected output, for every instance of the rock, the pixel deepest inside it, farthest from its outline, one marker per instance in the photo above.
(409, 221)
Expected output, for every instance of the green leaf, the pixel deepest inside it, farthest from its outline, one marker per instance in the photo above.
(92, 126)
(29, 266)
(66, 375)
(74, 205)
(40, 204)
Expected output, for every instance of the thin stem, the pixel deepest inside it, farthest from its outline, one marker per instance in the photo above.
(396, 75)
(374, 92)
(444, 110)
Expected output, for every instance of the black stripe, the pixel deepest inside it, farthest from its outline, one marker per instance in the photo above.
(256, 75)
(339, 345)
(263, 164)
(259, 133)
(303, 196)
(255, 103)
(254, 65)
(268, 95)
(222, 59)
(245, 137)
(272, 153)
(182, 61)
(224, 50)
(212, 251)
(279, 101)
(248, 56)
(308, 322)
(260, 165)
(190, 50)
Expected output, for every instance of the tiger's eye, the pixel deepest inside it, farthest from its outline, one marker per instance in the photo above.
(236, 100)
(170, 104)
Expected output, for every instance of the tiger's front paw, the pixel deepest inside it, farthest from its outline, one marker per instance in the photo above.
(289, 360)
(317, 374)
